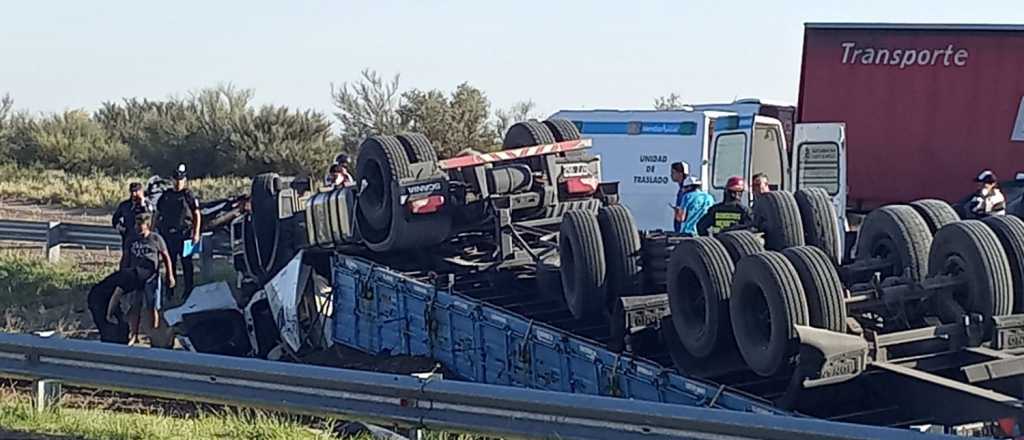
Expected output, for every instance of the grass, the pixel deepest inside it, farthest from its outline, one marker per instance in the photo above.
(79, 419)
(95, 191)
(17, 414)
(27, 280)
(37, 295)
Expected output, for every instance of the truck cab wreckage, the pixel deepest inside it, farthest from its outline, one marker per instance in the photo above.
(521, 268)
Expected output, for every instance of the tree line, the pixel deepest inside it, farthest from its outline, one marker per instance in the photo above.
(218, 131)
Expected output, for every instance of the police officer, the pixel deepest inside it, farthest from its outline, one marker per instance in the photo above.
(988, 200)
(124, 217)
(179, 220)
(729, 215)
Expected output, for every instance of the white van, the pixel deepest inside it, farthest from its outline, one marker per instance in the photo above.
(637, 148)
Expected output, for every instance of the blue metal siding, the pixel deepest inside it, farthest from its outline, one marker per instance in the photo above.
(381, 312)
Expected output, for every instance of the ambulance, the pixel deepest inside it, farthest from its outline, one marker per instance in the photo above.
(717, 141)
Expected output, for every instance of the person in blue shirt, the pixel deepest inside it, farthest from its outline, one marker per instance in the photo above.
(680, 171)
(691, 204)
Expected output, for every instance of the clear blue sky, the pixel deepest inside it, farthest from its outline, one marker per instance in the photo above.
(560, 54)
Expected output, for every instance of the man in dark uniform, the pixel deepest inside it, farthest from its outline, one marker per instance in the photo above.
(729, 215)
(146, 252)
(124, 217)
(179, 220)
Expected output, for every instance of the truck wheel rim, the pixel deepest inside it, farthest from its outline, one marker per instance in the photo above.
(957, 267)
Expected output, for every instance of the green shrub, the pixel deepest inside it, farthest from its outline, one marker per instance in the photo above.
(32, 281)
(69, 141)
(96, 190)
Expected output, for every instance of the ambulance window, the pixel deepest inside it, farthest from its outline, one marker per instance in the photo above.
(728, 160)
(818, 166)
(766, 156)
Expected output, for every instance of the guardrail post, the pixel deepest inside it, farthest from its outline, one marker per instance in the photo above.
(52, 246)
(48, 394)
(430, 376)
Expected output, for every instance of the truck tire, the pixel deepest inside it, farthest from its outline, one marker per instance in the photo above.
(549, 276)
(821, 224)
(739, 244)
(583, 267)
(969, 248)
(899, 235)
(767, 303)
(621, 251)
(777, 215)
(526, 134)
(655, 249)
(251, 254)
(936, 213)
(563, 130)
(1010, 232)
(418, 147)
(382, 162)
(266, 226)
(823, 289)
(698, 295)
(407, 231)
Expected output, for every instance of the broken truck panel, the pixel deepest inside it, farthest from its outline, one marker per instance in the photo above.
(204, 298)
(283, 294)
(382, 312)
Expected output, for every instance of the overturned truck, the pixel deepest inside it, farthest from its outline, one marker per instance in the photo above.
(519, 267)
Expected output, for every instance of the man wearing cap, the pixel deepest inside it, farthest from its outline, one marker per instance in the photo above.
(338, 175)
(729, 215)
(989, 199)
(179, 220)
(691, 205)
(679, 172)
(124, 217)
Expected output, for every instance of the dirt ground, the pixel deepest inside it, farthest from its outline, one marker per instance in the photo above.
(19, 210)
(15, 435)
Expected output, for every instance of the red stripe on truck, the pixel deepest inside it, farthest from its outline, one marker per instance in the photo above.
(518, 153)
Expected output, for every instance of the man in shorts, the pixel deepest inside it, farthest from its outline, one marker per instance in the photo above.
(131, 293)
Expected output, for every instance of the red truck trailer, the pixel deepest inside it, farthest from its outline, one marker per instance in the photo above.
(926, 107)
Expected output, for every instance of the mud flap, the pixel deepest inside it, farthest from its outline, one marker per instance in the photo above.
(284, 292)
(1008, 332)
(828, 358)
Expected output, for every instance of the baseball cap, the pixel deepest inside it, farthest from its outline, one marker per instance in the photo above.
(179, 173)
(986, 176)
(691, 181)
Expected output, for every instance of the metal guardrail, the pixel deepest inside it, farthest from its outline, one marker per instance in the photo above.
(54, 234)
(392, 400)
